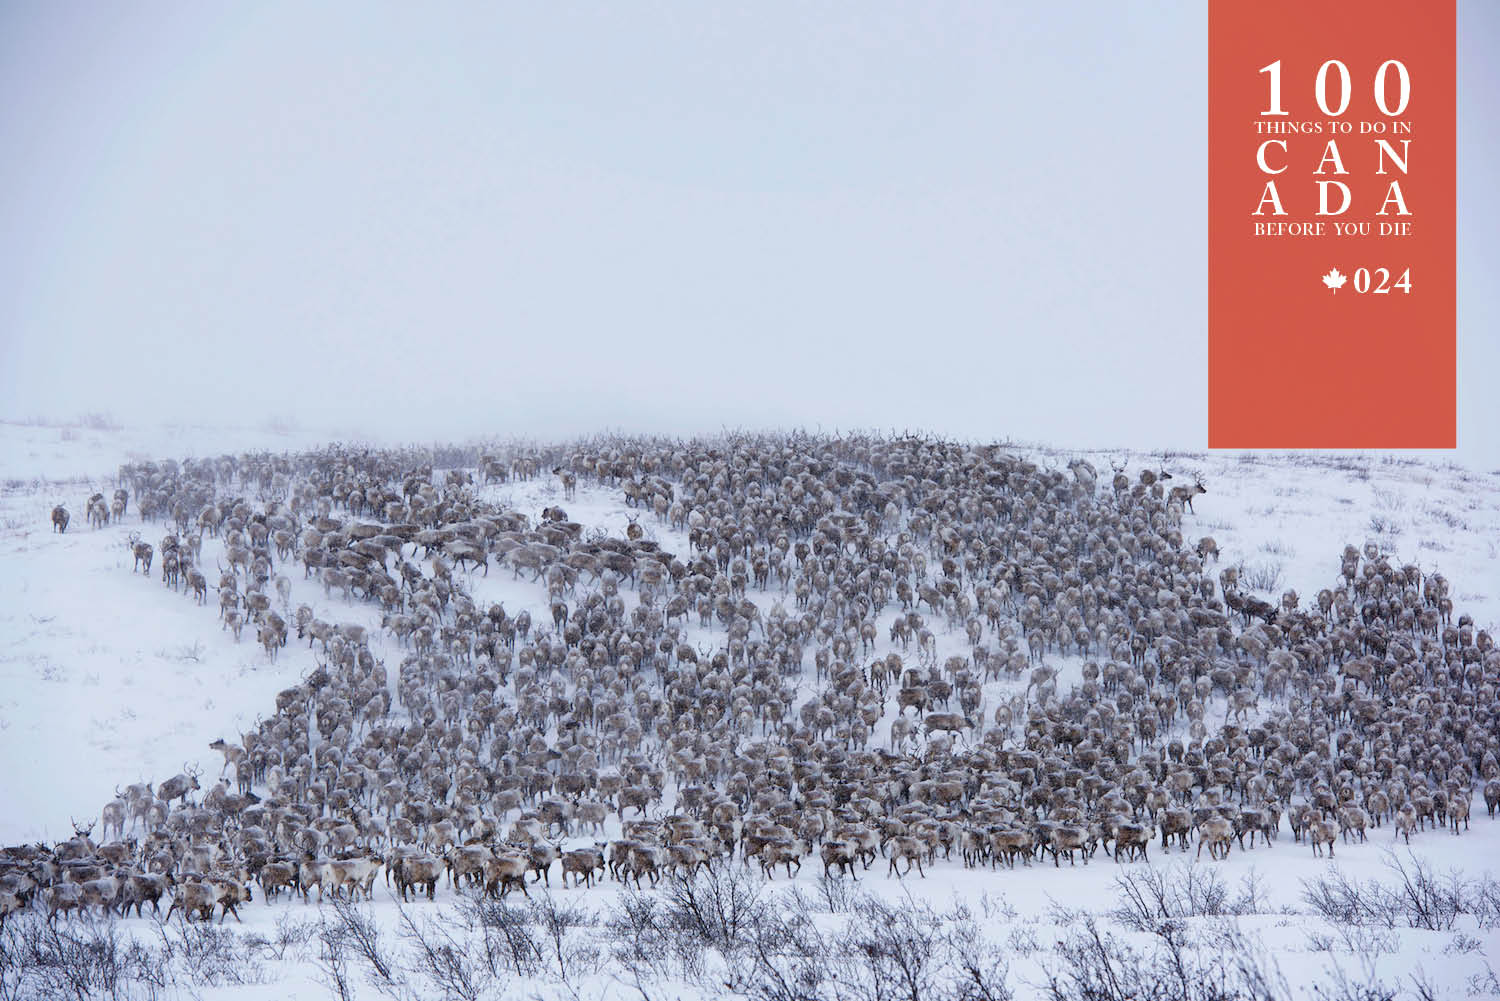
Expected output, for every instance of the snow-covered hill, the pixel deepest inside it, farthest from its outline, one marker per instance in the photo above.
(108, 678)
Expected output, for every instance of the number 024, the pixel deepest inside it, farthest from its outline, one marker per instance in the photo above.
(1379, 281)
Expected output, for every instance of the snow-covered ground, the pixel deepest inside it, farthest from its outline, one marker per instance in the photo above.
(108, 678)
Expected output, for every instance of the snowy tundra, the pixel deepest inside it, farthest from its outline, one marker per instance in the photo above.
(768, 715)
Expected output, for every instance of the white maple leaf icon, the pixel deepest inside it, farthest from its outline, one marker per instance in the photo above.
(1334, 279)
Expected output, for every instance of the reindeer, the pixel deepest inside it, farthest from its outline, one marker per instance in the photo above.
(139, 800)
(540, 857)
(1217, 833)
(909, 849)
(951, 722)
(98, 511)
(412, 871)
(842, 854)
(62, 898)
(101, 892)
(179, 785)
(1185, 495)
(276, 876)
(1133, 839)
(10, 903)
(583, 863)
(354, 876)
(233, 754)
(141, 889)
(786, 852)
(1322, 832)
(504, 872)
(1458, 809)
(1085, 474)
(59, 519)
(639, 708)
(195, 897)
(270, 638)
(112, 817)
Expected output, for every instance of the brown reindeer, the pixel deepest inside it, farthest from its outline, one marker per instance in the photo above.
(1185, 495)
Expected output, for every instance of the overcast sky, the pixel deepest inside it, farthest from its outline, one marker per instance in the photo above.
(423, 220)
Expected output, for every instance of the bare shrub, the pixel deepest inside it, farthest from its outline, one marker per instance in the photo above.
(439, 950)
(720, 931)
(1357, 940)
(184, 653)
(1023, 940)
(996, 907)
(290, 939)
(1218, 966)
(890, 953)
(82, 960)
(1418, 897)
(567, 954)
(1251, 898)
(1447, 517)
(836, 896)
(978, 968)
(1263, 575)
(720, 907)
(1340, 899)
(508, 941)
(333, 963)
(1463, 944)
(639, 939)
(1366, 987)
(1484, 901)
(717, 928)
(1156, 894)
(791, 960)
(1486, 983)
(352, 931)
(1426, 899)
(909, 952)
(209, 955)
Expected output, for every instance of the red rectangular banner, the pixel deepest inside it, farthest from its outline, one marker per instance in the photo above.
(1332, 224)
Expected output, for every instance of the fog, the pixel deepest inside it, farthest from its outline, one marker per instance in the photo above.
(552, 219)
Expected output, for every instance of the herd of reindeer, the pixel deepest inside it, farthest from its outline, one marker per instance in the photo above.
(854, 654)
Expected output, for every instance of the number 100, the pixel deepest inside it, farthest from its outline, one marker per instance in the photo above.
(1320, 90)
